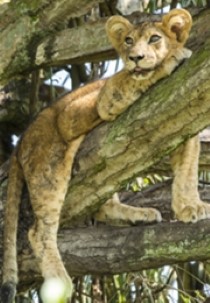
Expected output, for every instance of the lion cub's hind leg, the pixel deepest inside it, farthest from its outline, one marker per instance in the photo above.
(47, 184)
(113, 211)
(43, 240)
(186, 202)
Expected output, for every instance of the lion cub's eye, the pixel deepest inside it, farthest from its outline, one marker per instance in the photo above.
(129, 41)
(154, 39)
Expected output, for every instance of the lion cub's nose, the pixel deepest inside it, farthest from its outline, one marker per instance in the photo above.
(136, 59)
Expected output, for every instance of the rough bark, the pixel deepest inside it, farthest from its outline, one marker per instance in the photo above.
(112, 250)
(23, 26)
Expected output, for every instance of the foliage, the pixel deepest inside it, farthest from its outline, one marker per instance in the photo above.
(185, 283)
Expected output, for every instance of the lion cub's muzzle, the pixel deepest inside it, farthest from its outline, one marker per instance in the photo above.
(136, 59)
(136, 69)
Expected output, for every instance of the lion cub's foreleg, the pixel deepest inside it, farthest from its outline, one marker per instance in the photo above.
(113, 211)
(121, 90)
(185, 197)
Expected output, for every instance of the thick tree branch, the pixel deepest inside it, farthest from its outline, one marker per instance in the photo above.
(23, 25)
(111, 250)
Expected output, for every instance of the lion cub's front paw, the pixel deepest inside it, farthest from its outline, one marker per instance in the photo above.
(114, 211)
(178, 56)
(194, 213)
(146, 215)
(183, 53)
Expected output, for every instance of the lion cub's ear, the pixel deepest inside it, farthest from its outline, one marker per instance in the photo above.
(117, 29)
(179, 22)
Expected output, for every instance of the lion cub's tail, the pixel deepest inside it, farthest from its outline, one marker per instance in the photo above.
(10, 271)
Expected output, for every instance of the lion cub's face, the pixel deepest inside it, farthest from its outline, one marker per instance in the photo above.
(144, 47)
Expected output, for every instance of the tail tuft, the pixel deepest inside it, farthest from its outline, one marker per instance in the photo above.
(8, 291)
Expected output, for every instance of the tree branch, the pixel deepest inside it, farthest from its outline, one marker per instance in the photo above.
(23, 26)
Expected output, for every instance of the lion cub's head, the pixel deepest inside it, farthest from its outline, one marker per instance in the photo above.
(144, 47)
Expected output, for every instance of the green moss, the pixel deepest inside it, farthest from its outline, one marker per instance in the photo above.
(23, 7)
(182, 248)
(99, 167)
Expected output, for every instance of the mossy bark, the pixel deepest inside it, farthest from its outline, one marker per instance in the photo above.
(23, 26)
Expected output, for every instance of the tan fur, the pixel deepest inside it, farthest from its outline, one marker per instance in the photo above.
(45, 154)
(185, 197)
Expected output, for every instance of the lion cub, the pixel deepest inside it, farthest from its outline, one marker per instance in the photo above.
(43, 159)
